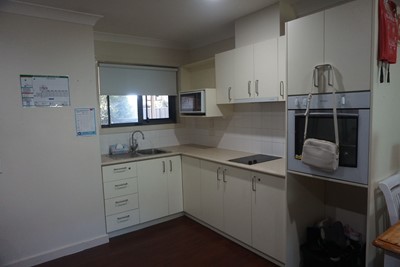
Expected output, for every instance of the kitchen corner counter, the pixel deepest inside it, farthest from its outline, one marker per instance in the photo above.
(218, 155)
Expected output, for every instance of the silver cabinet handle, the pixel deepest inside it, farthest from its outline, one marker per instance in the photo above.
(123, 218)
(170, 165)
(253, 183)
(218, 179)
(281, 89)
(121, 203)
(119, 170)
(256, 87)
(120, 186)
(229, 94)
(163, 166)
(248, 88)
(224, 175)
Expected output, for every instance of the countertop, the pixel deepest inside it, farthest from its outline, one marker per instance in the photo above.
(218, 155)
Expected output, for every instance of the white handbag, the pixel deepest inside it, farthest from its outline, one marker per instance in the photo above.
(317, 153)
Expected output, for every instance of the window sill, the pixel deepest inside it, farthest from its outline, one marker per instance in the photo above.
(128, 129)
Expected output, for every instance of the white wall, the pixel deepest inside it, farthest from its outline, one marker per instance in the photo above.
(50, 186)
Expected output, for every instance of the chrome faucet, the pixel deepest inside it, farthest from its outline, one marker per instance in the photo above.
(134, 143)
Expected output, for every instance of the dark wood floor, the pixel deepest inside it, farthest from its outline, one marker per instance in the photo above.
(179, 242)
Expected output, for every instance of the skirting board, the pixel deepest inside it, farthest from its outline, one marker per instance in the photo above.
(58, 252)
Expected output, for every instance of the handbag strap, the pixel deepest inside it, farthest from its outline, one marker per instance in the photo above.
(309, 97)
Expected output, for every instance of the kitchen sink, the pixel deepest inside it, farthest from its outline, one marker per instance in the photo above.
(139, 153)
(151, 151)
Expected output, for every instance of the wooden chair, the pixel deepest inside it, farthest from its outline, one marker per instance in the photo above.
(391, 191)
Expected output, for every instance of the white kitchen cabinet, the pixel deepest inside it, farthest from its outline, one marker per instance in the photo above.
(160, 187)
(120, 195)
(224, 76)
(174, 179)
(305, 50)
(282, 78)
(226, 199)
(256, 72)
(191, 176)
(268, 215)
(211, 194)
(237, 203)
(341, 37)
(348, 45)
(248, 206)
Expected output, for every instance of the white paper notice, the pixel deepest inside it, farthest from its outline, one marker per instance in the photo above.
(44, 91)
(85, 120)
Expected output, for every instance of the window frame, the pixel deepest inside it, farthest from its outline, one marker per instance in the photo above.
(172, 109)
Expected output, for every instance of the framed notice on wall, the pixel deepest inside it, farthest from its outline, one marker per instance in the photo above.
(44, 91)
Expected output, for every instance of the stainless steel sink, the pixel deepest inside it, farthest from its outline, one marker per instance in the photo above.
(139, 153)
(151, 151)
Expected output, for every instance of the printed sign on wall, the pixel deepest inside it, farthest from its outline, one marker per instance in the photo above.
(44, 91)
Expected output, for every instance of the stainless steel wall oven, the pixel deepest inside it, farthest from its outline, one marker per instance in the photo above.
(353, 109)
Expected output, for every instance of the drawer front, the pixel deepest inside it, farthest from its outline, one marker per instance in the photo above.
(119, 171)
(120, 204)
(120, 188)
(122, 220)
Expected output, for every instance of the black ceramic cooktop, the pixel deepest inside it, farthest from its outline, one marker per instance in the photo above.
(254, 159)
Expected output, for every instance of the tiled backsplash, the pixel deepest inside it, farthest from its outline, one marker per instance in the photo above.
(254, 128)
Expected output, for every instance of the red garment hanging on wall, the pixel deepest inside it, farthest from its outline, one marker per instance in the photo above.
(388, 31)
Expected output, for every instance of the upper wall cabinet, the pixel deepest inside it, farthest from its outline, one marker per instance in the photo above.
(197, 75)
(282, 77)
(224, 76)
(340, 37)
(253, 73)
(256, 72)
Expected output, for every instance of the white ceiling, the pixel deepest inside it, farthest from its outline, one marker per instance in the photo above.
(188, 23)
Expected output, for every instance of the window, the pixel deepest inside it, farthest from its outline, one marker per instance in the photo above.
(118, 111)
(137, 95)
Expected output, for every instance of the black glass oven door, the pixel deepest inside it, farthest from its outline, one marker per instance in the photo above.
(320, 126)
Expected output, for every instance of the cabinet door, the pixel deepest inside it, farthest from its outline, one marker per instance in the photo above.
(225, 76)
(152, 188)
(282, 68)
(268, 215)
(237, 203)
(266, 69)
(305, 51)
(191, 186)
(348, 44)
(211, 194)
(175, 197)
(244, 72)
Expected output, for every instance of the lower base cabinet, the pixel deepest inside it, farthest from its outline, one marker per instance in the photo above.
(191, 186)
(137, 192)
(160, 187)
(268, 215)
(122, 220)
(248, 206)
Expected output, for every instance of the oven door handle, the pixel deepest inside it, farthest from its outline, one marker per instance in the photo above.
(316, 114)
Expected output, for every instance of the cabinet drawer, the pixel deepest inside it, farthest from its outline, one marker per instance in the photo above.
(120, 188)
(119, 171)
(120, 204)
(122, 220)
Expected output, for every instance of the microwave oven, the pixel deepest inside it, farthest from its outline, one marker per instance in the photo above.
(193, 102)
